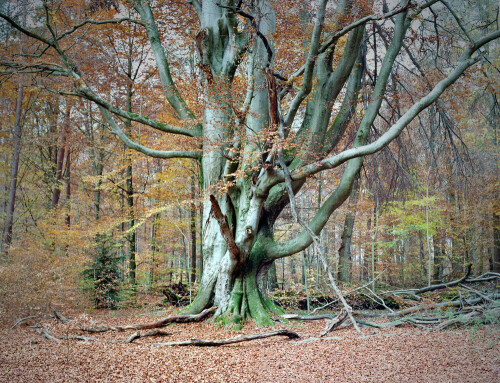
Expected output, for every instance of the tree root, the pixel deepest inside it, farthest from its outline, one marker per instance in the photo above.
(137, 335)
(161, 323)
(61, 318)
(23, 320)
(45, 334)
(237, 339)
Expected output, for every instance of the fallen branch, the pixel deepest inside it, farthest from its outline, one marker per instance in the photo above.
(161, 323)
(486, 298)
(237, 339)
(334, 323)
(457, 303)
(377, 299)
(469, 318)
(434, 287)
(349, 292)
(444, 285)
(22, 320)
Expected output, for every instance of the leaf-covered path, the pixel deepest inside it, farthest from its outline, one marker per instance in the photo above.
(386, 355)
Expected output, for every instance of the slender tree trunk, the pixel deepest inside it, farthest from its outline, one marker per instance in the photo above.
(345, 258)
(11, 204)
(439, 257)
(304, 279)
(421, 254)
(7, 232)
(374, 238)
(496, 243)
(131, 236)
(192, 227)
(272, 277)
(61, 154)
(67, 176)
(154, 246)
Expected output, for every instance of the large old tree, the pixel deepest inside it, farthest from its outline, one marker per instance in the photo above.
(254, 146)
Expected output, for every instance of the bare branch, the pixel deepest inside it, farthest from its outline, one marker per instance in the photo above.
(90, 95)
(329, 163)
(142, 149)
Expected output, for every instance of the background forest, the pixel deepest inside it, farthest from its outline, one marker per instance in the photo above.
(95, 224)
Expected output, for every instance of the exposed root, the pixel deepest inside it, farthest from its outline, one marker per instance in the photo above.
(45, 334)
(137, 335)
(61, 318)
(23, 320)
(237, 339)
(161, 323)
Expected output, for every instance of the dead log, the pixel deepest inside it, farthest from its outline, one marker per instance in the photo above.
(23, 320)
(444, 285)
(236, 339)
(334, 323)
(161, 323)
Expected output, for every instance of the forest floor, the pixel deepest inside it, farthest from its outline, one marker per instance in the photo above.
(403, 354)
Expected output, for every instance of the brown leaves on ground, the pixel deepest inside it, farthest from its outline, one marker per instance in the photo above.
(388, 355)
